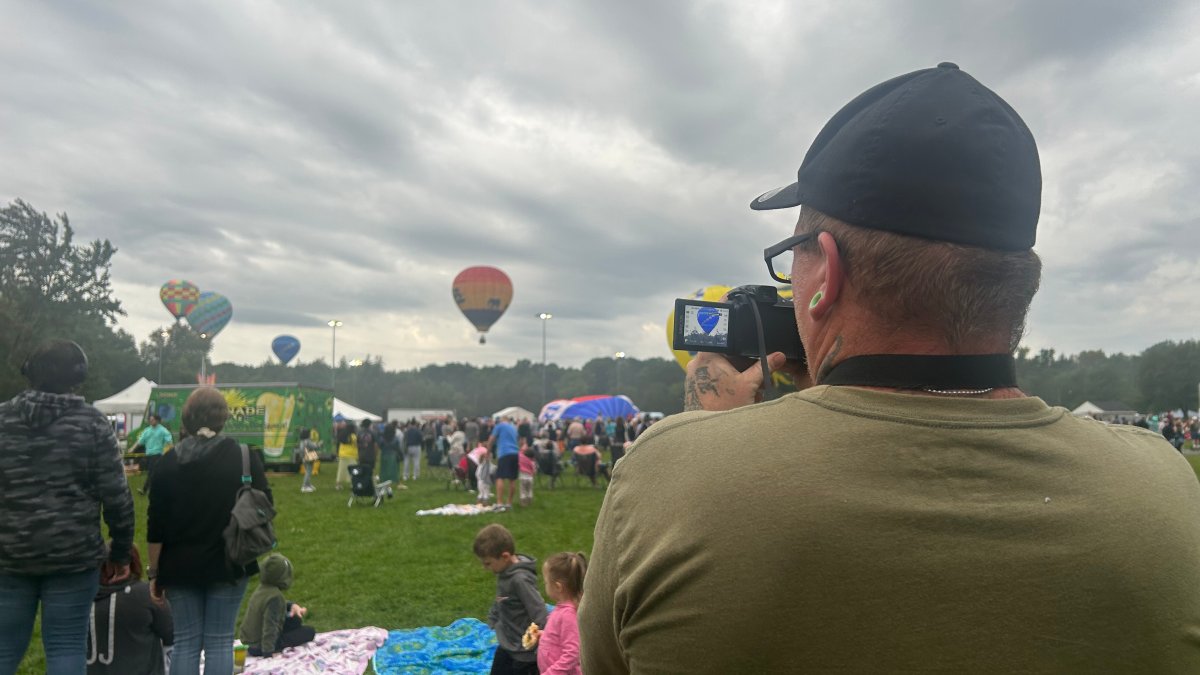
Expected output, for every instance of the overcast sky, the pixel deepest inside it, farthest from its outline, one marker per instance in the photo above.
(346, 160)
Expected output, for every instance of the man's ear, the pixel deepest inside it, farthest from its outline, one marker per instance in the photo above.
(832, 272)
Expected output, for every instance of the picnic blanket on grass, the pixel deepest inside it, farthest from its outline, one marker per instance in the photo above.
(465, 646)
(457, 510)
(339, 652)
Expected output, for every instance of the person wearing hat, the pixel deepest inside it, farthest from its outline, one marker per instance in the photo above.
(911, 510)
(60, 470)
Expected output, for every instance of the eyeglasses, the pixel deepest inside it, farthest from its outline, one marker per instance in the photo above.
(779, 256)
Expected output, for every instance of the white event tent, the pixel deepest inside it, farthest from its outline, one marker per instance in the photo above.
(516, 412)
(349, 412)
(130, 402)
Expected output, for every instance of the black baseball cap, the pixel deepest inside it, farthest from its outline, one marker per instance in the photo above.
(931, 154)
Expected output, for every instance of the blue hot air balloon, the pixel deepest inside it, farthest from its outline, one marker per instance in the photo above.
(285, 347)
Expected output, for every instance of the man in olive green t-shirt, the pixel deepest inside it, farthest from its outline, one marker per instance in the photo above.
(914, 511)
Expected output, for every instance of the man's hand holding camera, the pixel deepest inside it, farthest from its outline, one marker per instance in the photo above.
(713, 383)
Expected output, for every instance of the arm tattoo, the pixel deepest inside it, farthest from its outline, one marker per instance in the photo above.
(827, 363)
(699, 383)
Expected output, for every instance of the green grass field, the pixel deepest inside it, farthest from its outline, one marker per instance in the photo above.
(387, 567)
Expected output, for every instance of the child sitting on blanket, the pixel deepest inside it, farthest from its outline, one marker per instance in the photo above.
(271, 622)
(518, 602)
(558, 645)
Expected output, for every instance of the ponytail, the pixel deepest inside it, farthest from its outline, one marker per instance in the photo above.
(568, 569)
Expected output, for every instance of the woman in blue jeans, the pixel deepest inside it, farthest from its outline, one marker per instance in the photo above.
(193, 491)
(59, 466)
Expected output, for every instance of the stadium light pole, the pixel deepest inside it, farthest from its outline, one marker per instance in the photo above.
(618, 356)
(544, 316)
(333, 323)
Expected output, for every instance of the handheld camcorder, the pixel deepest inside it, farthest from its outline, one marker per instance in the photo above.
(755, 322)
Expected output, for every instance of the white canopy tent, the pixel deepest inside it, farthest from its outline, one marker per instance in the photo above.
(130, 402)
(516, 412)
(350, 412)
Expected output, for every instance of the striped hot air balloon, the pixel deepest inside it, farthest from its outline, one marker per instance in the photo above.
(210, 315)
(482, 294)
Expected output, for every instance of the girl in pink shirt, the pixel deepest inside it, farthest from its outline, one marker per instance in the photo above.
(558, 647)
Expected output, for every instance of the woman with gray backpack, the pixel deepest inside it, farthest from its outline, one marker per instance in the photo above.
(193, 494)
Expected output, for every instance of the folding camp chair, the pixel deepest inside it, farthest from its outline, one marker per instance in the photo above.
(362, 486)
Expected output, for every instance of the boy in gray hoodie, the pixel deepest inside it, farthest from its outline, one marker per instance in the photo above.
(272, 623)
(518, 602)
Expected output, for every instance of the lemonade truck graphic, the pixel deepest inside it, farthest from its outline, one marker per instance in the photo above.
(265, 416)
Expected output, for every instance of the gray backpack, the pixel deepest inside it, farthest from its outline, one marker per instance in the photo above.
(249, 533)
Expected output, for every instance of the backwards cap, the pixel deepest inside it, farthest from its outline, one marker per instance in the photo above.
(932, 154)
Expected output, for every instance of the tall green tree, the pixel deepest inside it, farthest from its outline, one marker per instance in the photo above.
(51, 287)
(179, 354)
(1169, 375)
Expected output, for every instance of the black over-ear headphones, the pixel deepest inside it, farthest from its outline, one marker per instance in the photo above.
(44, 362)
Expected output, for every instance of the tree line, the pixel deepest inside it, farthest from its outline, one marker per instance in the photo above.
(52, 286)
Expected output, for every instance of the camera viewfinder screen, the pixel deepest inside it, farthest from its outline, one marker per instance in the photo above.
(705, 326)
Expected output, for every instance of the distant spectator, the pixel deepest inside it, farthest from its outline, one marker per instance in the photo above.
(471, 429)
(526, 469)
(413, 441)
(308, 458)
(347, 453)
(390, 449)
(368, 447)
(154, 439)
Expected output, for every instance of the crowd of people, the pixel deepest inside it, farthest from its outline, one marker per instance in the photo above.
(1180, 430)
(475, 451)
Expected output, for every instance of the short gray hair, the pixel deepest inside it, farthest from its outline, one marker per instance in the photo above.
(966, 293)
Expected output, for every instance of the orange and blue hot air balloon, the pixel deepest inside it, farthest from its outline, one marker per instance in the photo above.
(482, 294)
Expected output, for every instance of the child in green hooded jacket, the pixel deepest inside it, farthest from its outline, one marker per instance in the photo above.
(271, 622)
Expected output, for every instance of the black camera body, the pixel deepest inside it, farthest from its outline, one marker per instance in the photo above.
(734, 328)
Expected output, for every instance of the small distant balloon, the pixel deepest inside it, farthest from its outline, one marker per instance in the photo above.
(211, 313)
(482, 294)
(179, 297)
(285, 347)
